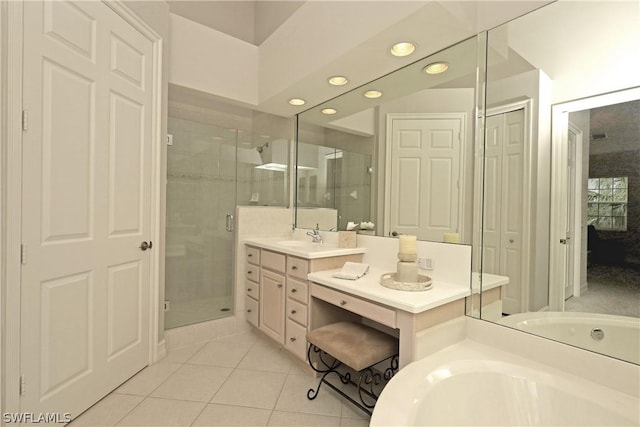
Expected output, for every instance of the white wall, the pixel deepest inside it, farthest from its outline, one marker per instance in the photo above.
(213, 62)
(577, 75)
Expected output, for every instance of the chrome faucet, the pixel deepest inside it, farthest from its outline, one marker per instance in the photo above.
(317, 237)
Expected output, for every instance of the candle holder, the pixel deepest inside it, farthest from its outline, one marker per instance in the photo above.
(406, 277)
(407, 269)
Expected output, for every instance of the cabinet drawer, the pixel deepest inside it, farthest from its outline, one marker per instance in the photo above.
(354, 304)
(253, 290)
(297, 267)
(253, 255)
(298, 290)
(297, 311)
(273, 260)
(253, 273)
(296, 339)
(251, 311)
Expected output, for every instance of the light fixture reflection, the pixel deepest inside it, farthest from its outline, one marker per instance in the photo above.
(372, 94)
(436, 68)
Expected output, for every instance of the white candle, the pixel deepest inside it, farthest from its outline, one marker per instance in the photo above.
(407, 245)
(451, 238)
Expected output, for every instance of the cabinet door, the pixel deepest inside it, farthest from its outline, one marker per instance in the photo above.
(272, 305)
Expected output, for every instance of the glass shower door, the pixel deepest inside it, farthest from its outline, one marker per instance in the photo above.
(201, 197)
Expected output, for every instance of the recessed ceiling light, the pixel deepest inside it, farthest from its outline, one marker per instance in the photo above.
(329, 111)
(372, 94)
(403, 49)
(436, 68)
(297, 101)
(338, 80)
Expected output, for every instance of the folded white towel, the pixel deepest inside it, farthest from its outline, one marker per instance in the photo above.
(352, 271)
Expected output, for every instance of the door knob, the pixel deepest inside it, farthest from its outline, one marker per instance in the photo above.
(146, 245)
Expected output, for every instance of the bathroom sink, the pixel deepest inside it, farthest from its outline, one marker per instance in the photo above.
(295, 243)
(304, 248)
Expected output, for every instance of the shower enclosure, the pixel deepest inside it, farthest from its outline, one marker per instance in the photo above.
(201, 199)
(210, 170)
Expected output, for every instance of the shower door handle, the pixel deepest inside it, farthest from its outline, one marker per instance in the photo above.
(229, 224)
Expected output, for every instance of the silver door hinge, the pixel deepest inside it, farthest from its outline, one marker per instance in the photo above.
(23, 254)
(25, 119)
(23, 385)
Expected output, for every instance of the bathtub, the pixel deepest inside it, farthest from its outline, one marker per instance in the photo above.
(615, 336)
(472, 384)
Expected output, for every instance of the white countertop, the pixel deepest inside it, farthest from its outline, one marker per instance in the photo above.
(303, 248)
(489, 281)
(369, 287)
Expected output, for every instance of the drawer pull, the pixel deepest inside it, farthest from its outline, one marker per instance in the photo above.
(294, 267)
(249, 311)
(250, 255)
(294, 290)
(249, 289)
(279, 285)
(343, 302)
(292, 339)
(293, 312)
(249, 272)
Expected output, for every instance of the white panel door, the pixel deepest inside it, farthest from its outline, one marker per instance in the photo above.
(572, 194)
(86, 204)
(425, 176)
(491, 225)
(503, 201)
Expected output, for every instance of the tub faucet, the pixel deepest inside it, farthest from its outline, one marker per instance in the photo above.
(317, 237)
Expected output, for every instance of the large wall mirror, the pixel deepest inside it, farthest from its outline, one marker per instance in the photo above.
(395, 156)
(562, 173)
(557, 163)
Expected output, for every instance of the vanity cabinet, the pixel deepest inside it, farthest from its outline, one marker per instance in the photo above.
(277, 294)
(252, 286)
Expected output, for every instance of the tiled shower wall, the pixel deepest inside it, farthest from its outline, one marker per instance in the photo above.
(200, 192)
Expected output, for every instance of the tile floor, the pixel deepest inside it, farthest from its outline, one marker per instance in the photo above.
(196, 310)
(240, 380)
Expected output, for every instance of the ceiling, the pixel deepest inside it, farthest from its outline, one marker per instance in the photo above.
(301, 43)
(250, 21)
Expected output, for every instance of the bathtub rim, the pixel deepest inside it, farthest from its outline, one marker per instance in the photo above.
(612, 373)
(464, 357)
(541, 319)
